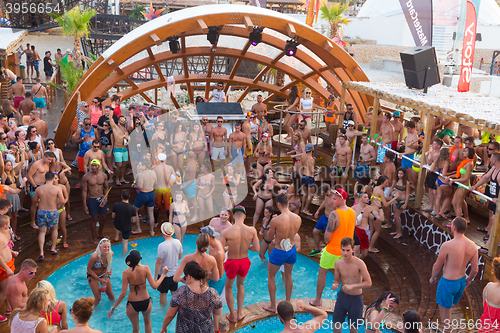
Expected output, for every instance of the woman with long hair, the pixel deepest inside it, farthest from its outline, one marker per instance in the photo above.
(231, 192)
(194, 303)
(35, 153)
(263, 193)
(81, 311)
(490, 319)
(198, 143)
(98, 270)
(95, 111)
(411, 322)
(293, 105)
(266, 245)
(9, 178)
(115, 105)
(138, 299)
(306, 107)
(33, 136)
(50, 144)
(378, 194)
(178, 211)
(28, 320)
(377, 311)
(362, 185)
(160, 131)
(263, 152)
(266, 127)
(402, 187)
(10, 111)
(294, 193)
(206, 186)
(442, 165)
(297, 151)
(56, 313)
(462, 176)
(178, 143)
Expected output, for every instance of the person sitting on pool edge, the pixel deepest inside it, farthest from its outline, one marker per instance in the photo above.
(286, 314)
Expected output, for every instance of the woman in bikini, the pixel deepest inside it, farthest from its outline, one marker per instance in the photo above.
(95, 112)
(178, 143)
(364, 210)
(98, 270)
(376, 312)
(23, 148)
(402, 187)
(442, 165)
(138, 299)
(160, 132)
(293, 193)
(198, 143)
(305, 107)
(265, 127)
(231, 192)
(62, 211)
(363, 184)
(293, 105)
(462, 176)
(263, 152)
(263, 193)
(378, 194)
(266, 245)
(61, 168)
(178, 211)
(9, 178)
(56, 314)
(206, 186)
(297, 151)
(51, 146)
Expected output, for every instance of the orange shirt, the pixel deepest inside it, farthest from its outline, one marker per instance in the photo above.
(345, 229)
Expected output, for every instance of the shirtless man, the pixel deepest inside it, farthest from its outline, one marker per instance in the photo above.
(17, 291)
(240, 239)
(320, 226)
(95, 154)
(411, 145)
(238, 144)
(36, 177)
(286, 314)
(246, 128)
(259, 108)
(189, 184)
(40, 125)
(17, 92)
(447, 132)
(48, 198)
(162, 186)
(120, 152)
(207, 129)
(454, 256)
(308, 182)
(368, 123)
(25, 107)
(387, 136)
(306, 133)
(221, 223)
(432, 155)
(283, 229)
(7, 267)
(218, 140)
(145, 183)
(40, 97)
(351, 132)
(468, 131)
(353, 274)
(367, 155)
(456, 152)
(94, 185)
(36, 61)
(341, 163)
(399, 129)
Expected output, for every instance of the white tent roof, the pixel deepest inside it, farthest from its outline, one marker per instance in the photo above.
(489, 10)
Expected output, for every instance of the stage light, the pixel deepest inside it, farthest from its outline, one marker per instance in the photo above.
(213, 35)
(174, 44)
(290, 48)
(255, 36)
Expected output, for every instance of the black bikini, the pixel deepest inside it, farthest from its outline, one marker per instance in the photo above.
(139, 306)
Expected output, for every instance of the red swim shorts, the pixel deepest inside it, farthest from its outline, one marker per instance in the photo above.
(364, 240)
(3, 273)
(234, 267)
(17, 100)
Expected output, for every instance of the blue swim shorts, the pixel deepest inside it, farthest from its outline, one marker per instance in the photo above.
(39, 102)
(36, 63)
(280, 257)
(190, 190)
(237, 155)
(121, 154)
(405, 162)
(322, 223)
(47, 218)
(308, 181)
(145, 198)
(449, 291)
(94, 207)
(362, 170)
(218, 285)
(381, 152)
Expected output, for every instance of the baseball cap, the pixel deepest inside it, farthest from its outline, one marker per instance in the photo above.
(265, 135)
(167, 229)
(341, 193)
(350, 122)
(95, 161)
(133, 258)
(249, 113)
(162, 157)
(396, 113)
(239, 209)
(209, 230)
(309, 147)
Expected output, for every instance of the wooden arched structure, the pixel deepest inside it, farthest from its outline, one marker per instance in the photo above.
(316, 53)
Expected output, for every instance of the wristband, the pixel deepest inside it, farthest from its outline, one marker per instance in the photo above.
(385, 309)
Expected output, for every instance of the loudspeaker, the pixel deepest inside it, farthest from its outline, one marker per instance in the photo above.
(416, 62)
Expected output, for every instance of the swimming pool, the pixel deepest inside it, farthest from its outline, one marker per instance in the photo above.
(274, 325)
(70, 283)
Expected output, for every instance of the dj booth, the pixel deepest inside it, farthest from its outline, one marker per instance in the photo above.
(229, 111)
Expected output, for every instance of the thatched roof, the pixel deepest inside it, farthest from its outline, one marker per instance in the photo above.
(11, 40)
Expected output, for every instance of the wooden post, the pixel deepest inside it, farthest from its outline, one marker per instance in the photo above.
(342, 106)
(156, 96)
(495, 234)
(373, 128)
(423, 161)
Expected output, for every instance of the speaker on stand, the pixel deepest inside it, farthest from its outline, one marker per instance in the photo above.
(420, 67)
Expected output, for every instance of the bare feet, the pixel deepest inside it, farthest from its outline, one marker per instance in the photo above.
(269, 308)
(393, 233)
(307, 212)
(152, 233)
(240, 317)
(397, 236)
(117, 239)
(95, 241)
(230, 318)
(124, 181)
(373, 250)
(136, 232)
(194, 218)
(34, 226)
(314, 303)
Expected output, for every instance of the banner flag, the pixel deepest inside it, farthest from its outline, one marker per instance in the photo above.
(418, 14)
(468, 48)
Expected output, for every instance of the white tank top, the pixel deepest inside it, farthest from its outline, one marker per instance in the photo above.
(307, 104)
(21, 326)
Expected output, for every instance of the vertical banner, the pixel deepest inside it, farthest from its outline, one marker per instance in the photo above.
(418, 14)
(468, 48)
(259, 3)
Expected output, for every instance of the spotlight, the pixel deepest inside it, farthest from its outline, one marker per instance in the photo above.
(255, 36)
(213, 35)
(290, 48)
(174, 44)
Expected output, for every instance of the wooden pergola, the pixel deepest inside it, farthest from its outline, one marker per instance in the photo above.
(146, 46)
(484, 121)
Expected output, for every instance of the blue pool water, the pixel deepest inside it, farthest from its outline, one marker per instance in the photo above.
(71, 284)
(274, 325)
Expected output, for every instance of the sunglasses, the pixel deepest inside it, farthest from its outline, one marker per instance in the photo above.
(96, 147)
(50, 143)
(219, 121)
(105, 125)
(87, 124)
(85, 106)
(32, 273)
(308, 93)
(490, 149)
(3, 138)
(397, 117)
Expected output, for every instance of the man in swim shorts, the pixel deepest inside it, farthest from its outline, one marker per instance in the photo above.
(7, 267)
(238, 144)
(283, 229)
(218, 140)
(454, 263)
(387, 136)
(145, 183)
(221, 223)
(367, 155)
(165, 177)
(39, 94)
(447, 132)
(17, 92)
(94, 185)
(320, 226)
(49, 199)
(308, 182)
(246, 128)
(36, 178)
(411, 145)
(341, 224)
(353, 274)
(120, 152)
(239, 239)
